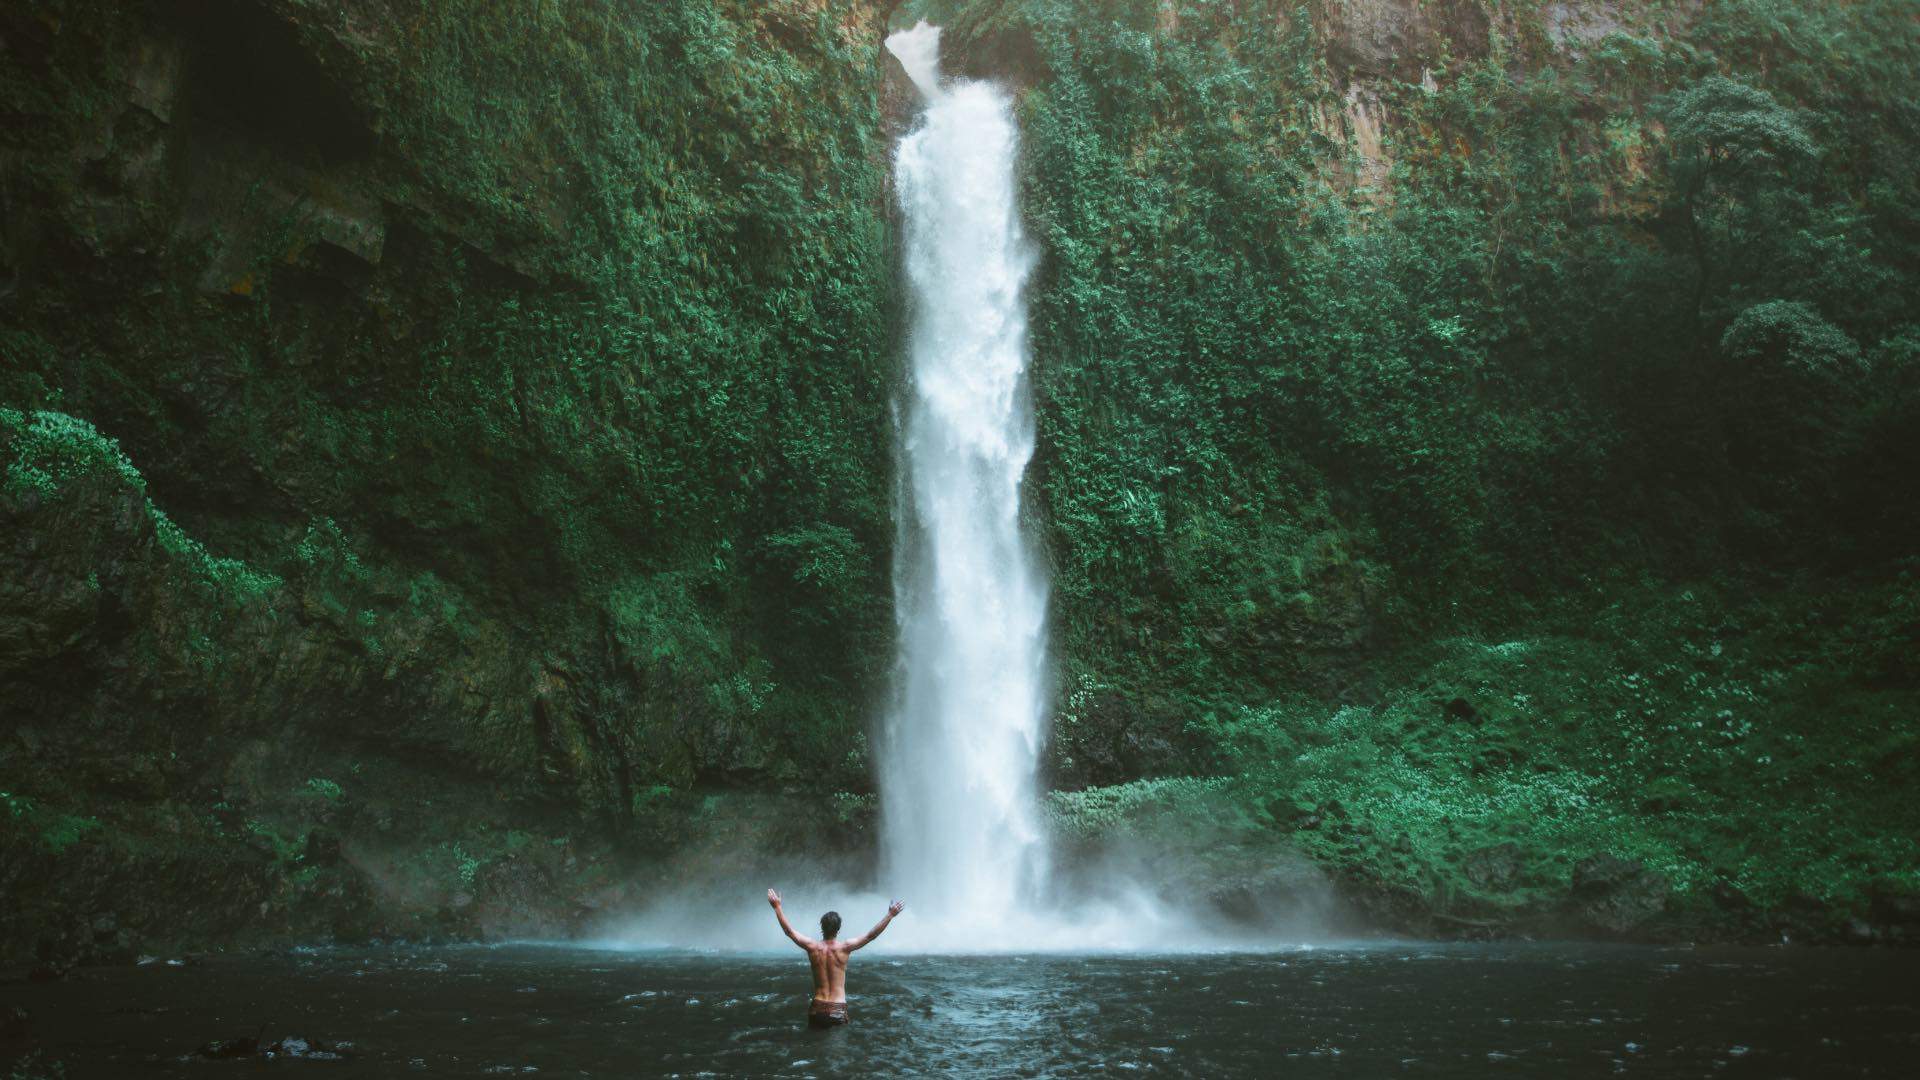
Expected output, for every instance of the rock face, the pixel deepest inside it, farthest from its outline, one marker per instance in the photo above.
(1616, 896)
(1402, 38)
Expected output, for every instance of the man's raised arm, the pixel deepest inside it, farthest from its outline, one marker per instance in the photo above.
(892, 910)
(781, 914)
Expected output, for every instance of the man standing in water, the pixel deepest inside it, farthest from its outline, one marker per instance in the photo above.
(828, 958)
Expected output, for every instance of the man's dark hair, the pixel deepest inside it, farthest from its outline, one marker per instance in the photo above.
(829, 925)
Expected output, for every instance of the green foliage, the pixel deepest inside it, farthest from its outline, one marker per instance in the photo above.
(47, 451)
(286, 850)
(1789, 339)
(1281, 384)
(325, 547)
(1719, 124)
(225, 577)
(1119, 810)
(1332, 434)
(321, 787)
(617, 327)
(62, 831)
(855, 809)
(35, 1065)
(54, 828)
(466, 866)
(1679, 730)
(823, 557)
(659, 817)
(1793, 393)
(1586, 321)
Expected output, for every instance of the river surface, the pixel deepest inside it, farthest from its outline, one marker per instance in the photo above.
(1363, 1011)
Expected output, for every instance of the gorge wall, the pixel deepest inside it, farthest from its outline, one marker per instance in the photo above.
(1468, 438)
(439, 440)
(448, 455)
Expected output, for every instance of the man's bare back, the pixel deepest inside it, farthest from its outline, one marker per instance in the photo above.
(828, 959)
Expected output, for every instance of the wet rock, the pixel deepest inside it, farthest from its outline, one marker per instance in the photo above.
(1009, 54)
(1578, 24)
(1494, 869)
(1615, 895)
(1265, 888)
(1114, 739)
(1401, 39)
(1374, 36)
(516, 896)
(899, 98)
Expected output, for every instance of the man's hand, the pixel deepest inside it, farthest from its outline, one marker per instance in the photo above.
(896, 908)
(773, 898)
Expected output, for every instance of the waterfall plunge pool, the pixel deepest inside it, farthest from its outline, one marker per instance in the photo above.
(1362, 1011)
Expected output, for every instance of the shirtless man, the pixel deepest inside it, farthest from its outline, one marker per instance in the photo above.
(828, 958)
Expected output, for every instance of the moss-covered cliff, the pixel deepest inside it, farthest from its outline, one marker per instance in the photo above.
(426, 421)
(1473, 434)
(447, 453)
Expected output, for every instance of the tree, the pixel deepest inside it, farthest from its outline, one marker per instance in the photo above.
(1790, 379)
(1728, 143)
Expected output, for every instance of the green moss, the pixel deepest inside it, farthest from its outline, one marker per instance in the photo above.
(61, 831)
(48, 451)
(230, 579)
(321, 787)
(286, 850)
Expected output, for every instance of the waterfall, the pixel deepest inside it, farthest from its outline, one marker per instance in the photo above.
(963, 840)
(962, 834)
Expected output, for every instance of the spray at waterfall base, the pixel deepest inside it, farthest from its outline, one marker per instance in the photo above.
(1187, 873)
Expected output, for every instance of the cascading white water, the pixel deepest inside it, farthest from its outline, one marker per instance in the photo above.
(962, 833)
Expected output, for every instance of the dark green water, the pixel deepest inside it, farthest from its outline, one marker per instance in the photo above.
(1377, 1010)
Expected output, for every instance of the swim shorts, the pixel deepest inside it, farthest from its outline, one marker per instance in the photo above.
(826, 1013)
